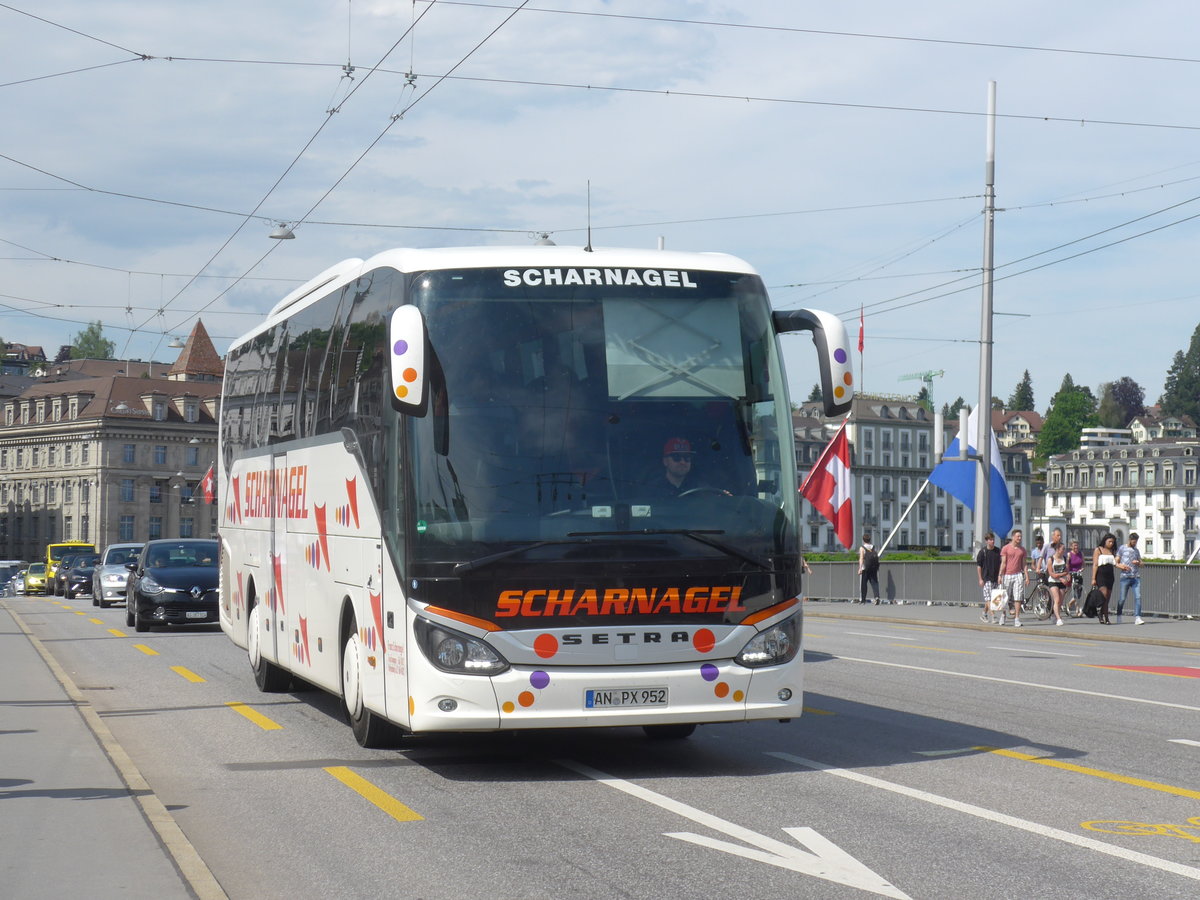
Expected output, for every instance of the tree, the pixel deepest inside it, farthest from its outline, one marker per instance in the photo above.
(951, 411)
(924, 399)
(1072, 410)
(1181, 394)
(1022, 395)
(1130, 396)
(1110, 413)
(91, 344)
(814, 396)
(64, 353)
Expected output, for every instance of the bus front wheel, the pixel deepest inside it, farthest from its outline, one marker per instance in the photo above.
(669, 732)
(370, 730)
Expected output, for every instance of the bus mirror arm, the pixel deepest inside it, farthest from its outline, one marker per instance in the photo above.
(833, 353)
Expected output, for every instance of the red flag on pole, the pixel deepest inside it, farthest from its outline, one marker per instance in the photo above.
(860, 329)
(829, 488)
(208, 485)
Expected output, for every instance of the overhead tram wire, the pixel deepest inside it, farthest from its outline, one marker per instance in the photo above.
(250, 217)
(82, 34)
(826, 33)
(391, 122)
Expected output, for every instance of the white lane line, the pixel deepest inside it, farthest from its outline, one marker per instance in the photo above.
(820, 857)
(1185, 741)
(1030, 649)
(890, 637)
(1014, 683)
(1000, 818)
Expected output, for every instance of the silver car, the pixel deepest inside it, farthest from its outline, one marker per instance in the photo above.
(108, 581)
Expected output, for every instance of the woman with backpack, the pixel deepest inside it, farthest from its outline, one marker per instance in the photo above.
(868, 568)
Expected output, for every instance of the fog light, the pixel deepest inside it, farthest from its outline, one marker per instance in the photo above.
(447, 705)
(785, 694)
(159, 613)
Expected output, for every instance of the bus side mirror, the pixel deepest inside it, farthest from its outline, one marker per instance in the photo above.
(407, 359)
(833, 353)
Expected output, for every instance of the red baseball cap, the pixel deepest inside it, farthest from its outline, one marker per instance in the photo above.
(677, 445)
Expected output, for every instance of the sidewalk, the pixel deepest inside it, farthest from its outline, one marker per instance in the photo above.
(1162, 632)
(79, 820)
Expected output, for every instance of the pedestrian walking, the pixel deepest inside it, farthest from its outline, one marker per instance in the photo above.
(868, 568)
(1104, 563)
(987, 565)
(1129, 564)
(1013, 558)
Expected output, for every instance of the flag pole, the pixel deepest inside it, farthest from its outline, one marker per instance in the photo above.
(983, 441)
(903, 516)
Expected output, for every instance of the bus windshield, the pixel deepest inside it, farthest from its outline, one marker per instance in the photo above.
(562, 415)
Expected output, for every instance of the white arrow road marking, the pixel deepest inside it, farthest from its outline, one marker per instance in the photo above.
(822, 858)
(1184, 741)
(1066, 837)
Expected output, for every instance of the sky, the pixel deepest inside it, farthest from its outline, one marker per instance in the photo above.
(148, 151)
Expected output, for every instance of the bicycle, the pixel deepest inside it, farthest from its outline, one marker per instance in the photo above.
(1039, 601)
(1073, 596)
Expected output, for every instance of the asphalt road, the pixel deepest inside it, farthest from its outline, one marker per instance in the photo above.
(931, 762)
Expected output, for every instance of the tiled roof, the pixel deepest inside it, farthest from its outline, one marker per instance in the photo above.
(199, 356)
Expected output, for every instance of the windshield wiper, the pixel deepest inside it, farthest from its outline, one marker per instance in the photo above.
(471, 565)
(696, 535)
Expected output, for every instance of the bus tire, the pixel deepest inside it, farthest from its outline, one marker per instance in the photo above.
(370, 730)
(669, 732)
(269, 677)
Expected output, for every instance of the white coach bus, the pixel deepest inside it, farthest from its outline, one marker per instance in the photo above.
(474, 489)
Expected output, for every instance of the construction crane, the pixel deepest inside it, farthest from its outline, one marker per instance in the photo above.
(926, 377)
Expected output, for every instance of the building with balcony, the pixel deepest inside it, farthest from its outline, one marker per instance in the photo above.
(1151, 489)
(109, 457)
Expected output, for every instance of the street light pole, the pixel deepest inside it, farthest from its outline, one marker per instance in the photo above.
(983, 440)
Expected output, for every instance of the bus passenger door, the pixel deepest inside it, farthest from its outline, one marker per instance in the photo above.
(277, 601)
(386, 590)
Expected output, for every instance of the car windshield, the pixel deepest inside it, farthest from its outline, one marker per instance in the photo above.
(119, 557)
(182, 554)
(37, 569)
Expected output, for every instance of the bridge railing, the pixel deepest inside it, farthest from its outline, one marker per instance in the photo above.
(1168, 589)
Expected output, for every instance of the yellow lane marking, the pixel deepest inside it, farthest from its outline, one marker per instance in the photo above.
(116, 631)
(813, 634)
(254, 716)
(938, 649)
(1097, 773)
(813, 711)
(188, 674)
(380, 798)
(1049, 640)
(96, 621)
(148, 651)
(1189, 831)
(78, 612)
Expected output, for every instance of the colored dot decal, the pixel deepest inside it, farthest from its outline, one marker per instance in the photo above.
(545, 645)
(410, 375)
(848, 378)
(508, 706)
(738, 696)
(704, 640)
(525, 698)
(709, 672)
(401, 392)
(412, 706)
(400, 348)
(839, 391)
(539, 679)
(840, 355)
(721, 690)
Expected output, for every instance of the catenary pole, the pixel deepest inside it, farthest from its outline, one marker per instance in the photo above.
(983, 441)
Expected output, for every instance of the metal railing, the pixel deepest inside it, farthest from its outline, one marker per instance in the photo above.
(1168, 589)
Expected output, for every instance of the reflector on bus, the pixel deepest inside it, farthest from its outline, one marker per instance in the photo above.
(407, 358)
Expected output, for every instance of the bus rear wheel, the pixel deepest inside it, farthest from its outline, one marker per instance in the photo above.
(370, 730)
(269, 677)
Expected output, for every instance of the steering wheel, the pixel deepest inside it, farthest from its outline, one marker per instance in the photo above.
(705, 490)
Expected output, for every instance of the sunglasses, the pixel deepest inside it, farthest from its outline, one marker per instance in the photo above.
(679, 457)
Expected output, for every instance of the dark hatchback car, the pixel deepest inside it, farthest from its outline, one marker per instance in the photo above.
(58, 584)
(78, 577)
(173, 582)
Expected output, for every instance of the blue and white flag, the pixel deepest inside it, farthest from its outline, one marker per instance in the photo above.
(957, 477)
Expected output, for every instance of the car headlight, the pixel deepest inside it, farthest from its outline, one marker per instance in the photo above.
(149, 586)
(113, 579)
(453, 651)
(773, 646)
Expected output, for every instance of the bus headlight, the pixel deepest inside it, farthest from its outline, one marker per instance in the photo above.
(772, 647)
(453, 651)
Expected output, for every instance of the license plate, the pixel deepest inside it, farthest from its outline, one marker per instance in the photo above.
(197, 614)
(606, 698)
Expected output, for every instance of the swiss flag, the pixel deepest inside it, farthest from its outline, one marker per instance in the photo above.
(208, 485)
(828, 487)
